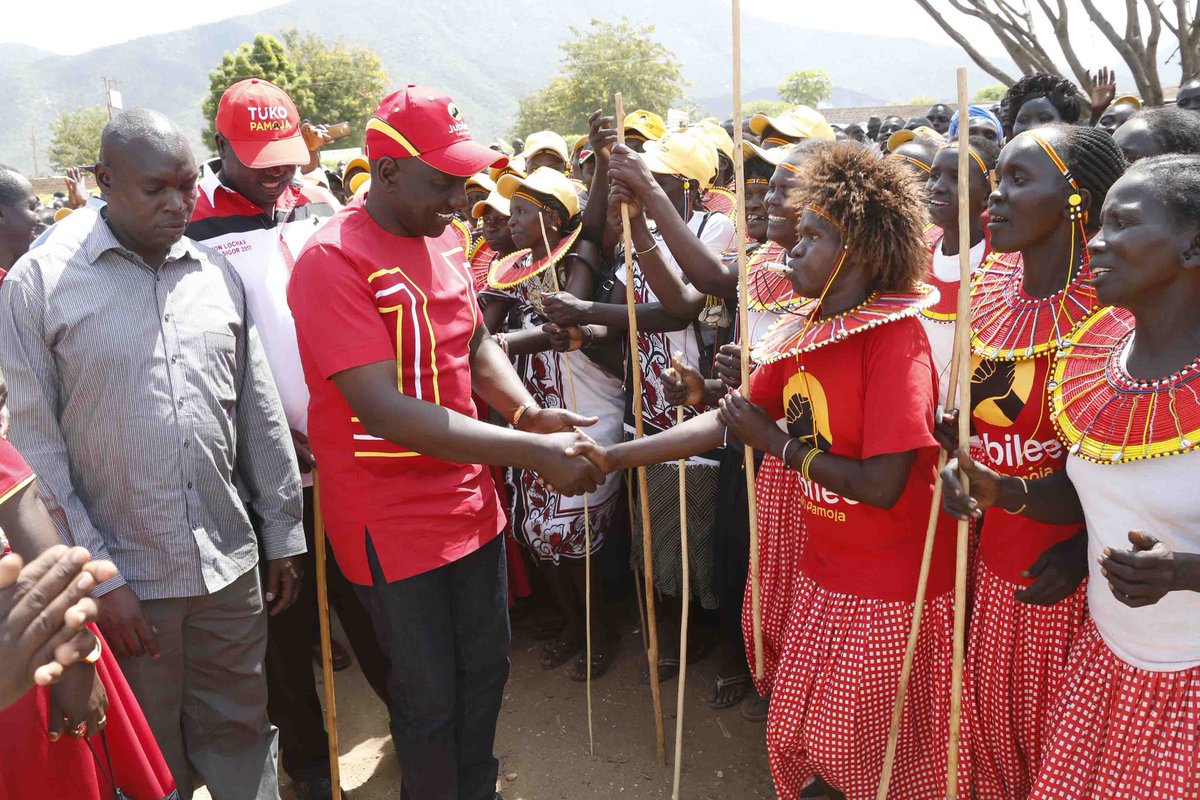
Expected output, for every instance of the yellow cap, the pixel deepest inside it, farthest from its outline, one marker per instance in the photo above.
(718, 136)
(647, 123)
(515, 166)
(774, 156)
(580, 143)
(481, 180)
(689, 153)
(904, 136)
(546, 140)
(800, 122)
(1127, 98)
(542, 180)
(358, 162)
(62, 213)
(356, 182)
(495, 200)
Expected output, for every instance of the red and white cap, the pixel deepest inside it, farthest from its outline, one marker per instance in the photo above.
(423, 122)
(262, 125)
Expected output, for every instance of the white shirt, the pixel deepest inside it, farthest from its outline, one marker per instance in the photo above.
(941, 334)
(1159, 496)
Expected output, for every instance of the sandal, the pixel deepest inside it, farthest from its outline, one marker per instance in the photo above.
(602, 657)
(728, 692)
(754, 708)
(557, 653)
(546, 623)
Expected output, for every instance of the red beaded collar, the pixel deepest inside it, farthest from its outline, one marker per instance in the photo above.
(767, 289)
(1105, 415)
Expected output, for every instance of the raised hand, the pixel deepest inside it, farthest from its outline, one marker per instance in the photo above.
(728, 362)
(1144, 575)
(1057, 573)
(985, 487)
(750, 423)
(628, 168)
(43, 610)
(602, 133)
(565, 309)
(620, 194)
(1101, 89)
(682, 385)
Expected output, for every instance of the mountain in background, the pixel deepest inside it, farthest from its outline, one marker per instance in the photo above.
(485, 53)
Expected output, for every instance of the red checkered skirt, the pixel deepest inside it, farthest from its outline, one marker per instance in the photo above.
(1016, 658)
(835, 687)
(780, 542)
(1121, 733)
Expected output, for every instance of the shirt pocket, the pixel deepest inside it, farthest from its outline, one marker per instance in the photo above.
(220, 363)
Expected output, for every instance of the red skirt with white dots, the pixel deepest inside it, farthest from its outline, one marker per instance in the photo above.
(1016, 658)
(834, 690)
(1121, 733)
(780, 543)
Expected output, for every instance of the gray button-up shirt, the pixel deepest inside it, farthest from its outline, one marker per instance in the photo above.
(143, 401)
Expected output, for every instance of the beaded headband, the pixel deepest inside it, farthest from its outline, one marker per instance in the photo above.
(915, 162)
(987, 173)
(821, 213)
(1076, 199)
(777, 140)
(532, 199)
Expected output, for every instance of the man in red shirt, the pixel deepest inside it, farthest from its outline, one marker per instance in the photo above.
(392, 346)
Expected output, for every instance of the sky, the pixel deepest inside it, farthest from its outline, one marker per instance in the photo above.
(98, 24)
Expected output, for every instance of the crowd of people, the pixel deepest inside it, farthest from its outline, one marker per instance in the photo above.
(432, 343)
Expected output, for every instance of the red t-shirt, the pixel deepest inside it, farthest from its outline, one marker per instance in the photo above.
(15, 473)
(1010, 414)
(361, 295)
(871, 394)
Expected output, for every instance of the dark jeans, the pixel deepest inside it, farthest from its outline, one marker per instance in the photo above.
(446, 632)
(293, 704)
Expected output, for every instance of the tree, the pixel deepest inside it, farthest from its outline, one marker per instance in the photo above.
(990, 94)
(264, 58)
(345, 82)
(806, 87)
(922, 100)
(596, 63)
(75, 137)
(770, 108)
(1014, 26)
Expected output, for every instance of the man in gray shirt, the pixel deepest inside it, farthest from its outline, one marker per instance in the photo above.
(141, 396)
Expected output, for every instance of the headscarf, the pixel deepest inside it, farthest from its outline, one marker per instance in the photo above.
(977, 112)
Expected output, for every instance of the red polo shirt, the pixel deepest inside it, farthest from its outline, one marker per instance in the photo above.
(361, 295)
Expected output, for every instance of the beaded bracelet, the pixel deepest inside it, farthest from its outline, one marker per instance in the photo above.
(520, 412)
(807, 464)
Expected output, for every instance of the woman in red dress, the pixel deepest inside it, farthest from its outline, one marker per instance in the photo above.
(852, 374)
(1124, 400)
(50, 747)
(1033, 291)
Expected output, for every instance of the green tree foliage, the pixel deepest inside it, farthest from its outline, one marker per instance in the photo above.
(772, 108)
(266, 58)
(990, 94)
(596, 63)
(346, 82)
(922, 100)
(806, 87)
(75, 137)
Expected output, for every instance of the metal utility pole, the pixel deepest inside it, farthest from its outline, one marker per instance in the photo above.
(108, 95)
(33, 141)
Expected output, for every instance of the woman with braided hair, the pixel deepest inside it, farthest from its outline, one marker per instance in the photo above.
(1033, 292)
(1039, 99)
(851, 374)
(1124, 400)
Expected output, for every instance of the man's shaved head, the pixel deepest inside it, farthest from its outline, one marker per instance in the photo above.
(140, 129)
(148, 174)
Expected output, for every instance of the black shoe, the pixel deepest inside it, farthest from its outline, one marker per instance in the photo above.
(317, 789)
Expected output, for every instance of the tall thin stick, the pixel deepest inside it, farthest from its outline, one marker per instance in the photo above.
(683, 618)
(962, 332)
(889, 759)
(326, 644)
(587, 517)
(637, 571)
(635, 373)
(739, 181)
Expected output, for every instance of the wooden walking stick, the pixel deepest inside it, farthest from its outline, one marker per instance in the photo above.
(962, 336)
(326, 644)
(683, 617)
(635, 372)
(637, 572)
(744, 333)
(935, 507)
(587, 518)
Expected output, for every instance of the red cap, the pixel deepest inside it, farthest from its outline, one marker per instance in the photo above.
(262, 124)
(423, 122)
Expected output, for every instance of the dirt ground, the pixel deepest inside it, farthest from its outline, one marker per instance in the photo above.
(542, 741)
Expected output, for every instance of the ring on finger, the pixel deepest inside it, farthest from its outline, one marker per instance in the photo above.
(94, 656)
(80, 730)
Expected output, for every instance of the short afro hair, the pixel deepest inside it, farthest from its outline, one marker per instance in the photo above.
(1175, 182)
(878, 206)
(12, 186)
(1175, 130)
(1062, 94)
